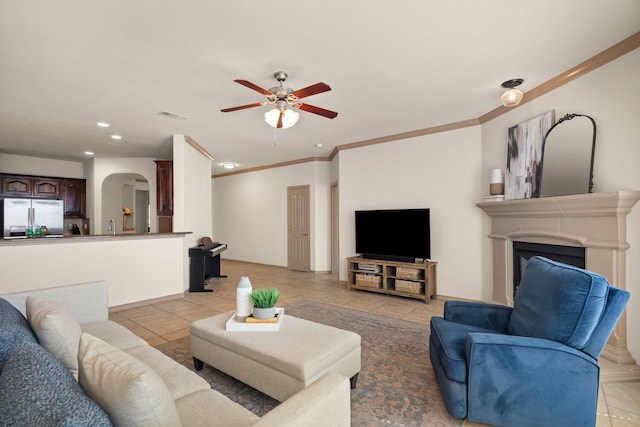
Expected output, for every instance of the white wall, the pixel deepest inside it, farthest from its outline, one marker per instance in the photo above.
(609, 94)
(191, 197)
(250, 212)
(11, 163)
(439, 172)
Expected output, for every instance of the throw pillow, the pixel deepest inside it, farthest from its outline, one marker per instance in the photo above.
(57, 330)
(37, 390)
(130, 391)
(14, 329)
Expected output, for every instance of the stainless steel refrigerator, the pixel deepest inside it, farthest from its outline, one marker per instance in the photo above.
(20, 215)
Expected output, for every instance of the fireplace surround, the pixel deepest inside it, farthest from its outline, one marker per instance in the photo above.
(595, 221)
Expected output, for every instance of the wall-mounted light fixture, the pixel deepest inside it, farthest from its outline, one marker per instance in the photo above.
(512, 96)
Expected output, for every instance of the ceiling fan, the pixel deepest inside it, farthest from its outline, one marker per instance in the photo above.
(281, 97)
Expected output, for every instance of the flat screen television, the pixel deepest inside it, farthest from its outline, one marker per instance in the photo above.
(393, 234)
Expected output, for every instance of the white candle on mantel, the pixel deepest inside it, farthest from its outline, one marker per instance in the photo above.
(243, 303)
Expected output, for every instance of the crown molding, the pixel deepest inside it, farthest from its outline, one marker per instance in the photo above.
(614, 52)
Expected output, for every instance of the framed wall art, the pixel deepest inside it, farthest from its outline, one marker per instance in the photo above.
(524, 153)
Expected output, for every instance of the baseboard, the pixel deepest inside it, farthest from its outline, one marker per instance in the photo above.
(137, 304)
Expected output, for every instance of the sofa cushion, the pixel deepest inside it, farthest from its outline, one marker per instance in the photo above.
(211, 408)
(14, 329)
(558, 302)
(114, 333)
(37, 390)
(130, 391)
(179, 380)
(57, 330)
(449, 340)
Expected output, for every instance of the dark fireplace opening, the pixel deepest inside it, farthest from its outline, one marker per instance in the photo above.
(522, 251)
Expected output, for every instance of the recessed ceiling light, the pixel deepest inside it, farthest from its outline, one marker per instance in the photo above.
(228, 165)
(118, 137)
(103, 124)
(319, 145)
(89, 153)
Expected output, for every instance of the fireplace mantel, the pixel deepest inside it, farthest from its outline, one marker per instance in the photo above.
(595, 221)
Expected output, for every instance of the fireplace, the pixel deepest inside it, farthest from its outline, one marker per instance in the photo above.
(594, 222)
(522, 251)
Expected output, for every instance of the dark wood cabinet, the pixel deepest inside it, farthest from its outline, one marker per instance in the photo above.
(46, 187)
(74, 194)
(70, 190)
(164, 187)
(30, 186)
(17, 186)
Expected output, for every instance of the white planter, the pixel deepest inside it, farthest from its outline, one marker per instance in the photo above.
(264, 313)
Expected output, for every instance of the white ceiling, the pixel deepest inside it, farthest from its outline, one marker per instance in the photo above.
(393, 66)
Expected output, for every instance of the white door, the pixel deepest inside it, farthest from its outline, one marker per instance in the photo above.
(298, 228)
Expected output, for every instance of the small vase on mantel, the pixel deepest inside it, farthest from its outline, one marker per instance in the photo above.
(243, 302)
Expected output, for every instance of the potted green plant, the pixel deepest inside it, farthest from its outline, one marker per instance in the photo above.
(264, 302)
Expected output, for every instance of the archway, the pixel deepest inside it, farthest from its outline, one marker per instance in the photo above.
(125, 204)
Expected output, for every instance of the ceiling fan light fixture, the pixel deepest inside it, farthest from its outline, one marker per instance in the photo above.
(512, 96)
(289, 118)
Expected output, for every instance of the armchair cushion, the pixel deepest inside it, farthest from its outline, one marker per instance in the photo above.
(449, 341)
(558, 302)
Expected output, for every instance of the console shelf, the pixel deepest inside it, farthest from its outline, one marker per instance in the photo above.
(407, 279)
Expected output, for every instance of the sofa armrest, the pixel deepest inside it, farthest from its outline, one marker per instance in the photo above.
(494, 317)
(326, 402)
(548, 382)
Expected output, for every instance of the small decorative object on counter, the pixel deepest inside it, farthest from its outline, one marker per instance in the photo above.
(243, 303)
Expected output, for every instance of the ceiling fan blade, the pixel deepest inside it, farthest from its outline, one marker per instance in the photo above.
(317, 110)
(253, 86)
(242, 107)
(279, 125)
(311, 90)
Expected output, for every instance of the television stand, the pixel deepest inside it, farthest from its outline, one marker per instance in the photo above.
(407, 279)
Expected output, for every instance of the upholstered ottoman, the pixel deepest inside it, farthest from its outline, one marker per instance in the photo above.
(278, 363)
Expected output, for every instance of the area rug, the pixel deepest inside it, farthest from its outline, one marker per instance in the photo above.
(396, 386)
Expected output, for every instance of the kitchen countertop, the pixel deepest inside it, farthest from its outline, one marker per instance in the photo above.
(91, 237)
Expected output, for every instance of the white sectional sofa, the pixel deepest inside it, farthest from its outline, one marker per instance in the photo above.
(131, 381)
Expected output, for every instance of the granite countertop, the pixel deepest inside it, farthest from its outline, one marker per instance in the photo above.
(91, 237)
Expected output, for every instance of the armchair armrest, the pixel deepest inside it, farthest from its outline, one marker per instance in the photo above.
(326, 402)
(548, 382)
(488, 316)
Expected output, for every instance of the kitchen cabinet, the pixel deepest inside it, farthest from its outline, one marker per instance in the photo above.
(74, 194)
(164, 187)
(30, 186)
(72, 191)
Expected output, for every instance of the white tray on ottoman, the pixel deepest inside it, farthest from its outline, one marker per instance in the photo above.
(278, 363)
(234, 325)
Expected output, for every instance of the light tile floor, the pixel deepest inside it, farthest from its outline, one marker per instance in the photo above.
(160, 322)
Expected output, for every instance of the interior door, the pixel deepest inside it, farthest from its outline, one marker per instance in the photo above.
(298, 228)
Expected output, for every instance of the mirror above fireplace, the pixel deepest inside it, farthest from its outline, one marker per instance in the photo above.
(567, 157)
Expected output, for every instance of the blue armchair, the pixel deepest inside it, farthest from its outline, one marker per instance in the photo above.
(535, 364)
